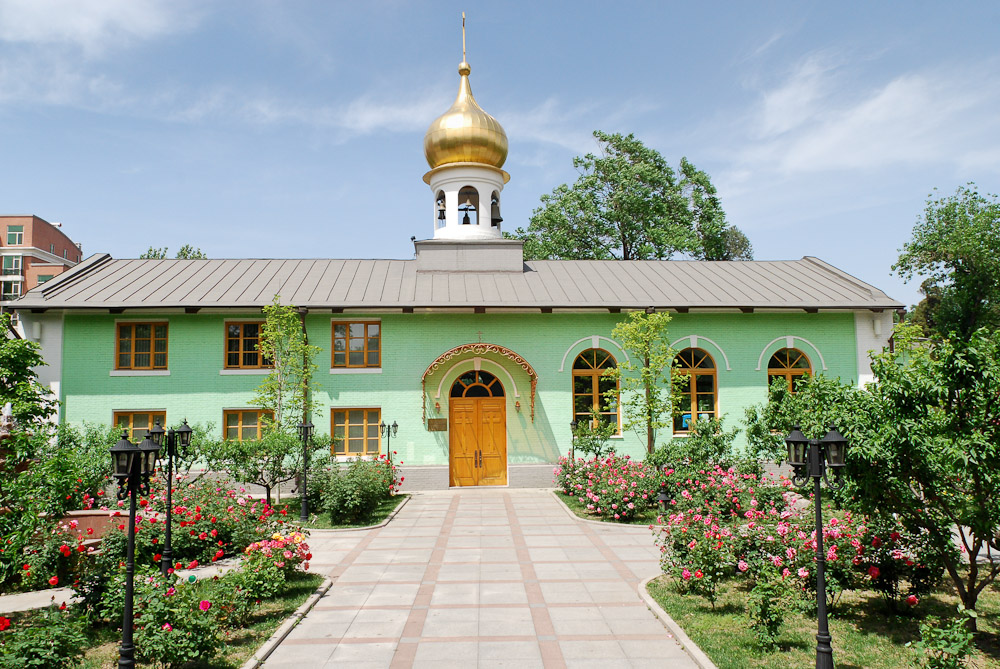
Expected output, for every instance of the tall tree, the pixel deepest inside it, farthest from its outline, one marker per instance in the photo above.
(629, 204)
(186, 252)
(31, 403)
(956, 248)
(645, 392)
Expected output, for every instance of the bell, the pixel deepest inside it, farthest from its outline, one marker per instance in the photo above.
(465, 219)
(441, 211)
(495, 214)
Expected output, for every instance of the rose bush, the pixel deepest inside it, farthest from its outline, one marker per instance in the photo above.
(616, 488)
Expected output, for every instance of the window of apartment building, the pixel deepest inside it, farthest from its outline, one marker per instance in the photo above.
(244, 425)
(243, 346)
(357, 344)
(66, 254)
(141, 346)
(137, 423)
(11, 265)
(698, 390)
(42, 278)
(590, 386)
(10, 290)
(355, 431)
(15, 234)
(52, 249)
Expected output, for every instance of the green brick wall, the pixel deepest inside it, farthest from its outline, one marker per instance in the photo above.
(196, 391)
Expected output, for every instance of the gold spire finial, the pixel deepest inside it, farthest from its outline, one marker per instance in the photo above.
(463, 36)
(463, 68)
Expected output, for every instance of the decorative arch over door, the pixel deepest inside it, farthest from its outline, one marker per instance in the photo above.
(479, 349)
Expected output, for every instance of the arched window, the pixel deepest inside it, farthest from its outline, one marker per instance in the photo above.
(468, 206)
(477, 384)
(590, 386)
(790, 364)
(698, 389)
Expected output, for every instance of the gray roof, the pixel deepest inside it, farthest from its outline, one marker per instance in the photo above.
(103, 282)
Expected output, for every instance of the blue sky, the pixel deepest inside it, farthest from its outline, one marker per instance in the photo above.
(294, 129)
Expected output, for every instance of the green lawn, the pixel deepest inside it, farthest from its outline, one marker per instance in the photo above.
(864, 635)
(237, 646)
(580, 509)
(322, 521)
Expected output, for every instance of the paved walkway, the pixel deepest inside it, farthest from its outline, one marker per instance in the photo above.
(483, 578)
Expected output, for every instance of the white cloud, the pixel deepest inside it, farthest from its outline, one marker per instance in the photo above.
(819, 119)
(94, 26)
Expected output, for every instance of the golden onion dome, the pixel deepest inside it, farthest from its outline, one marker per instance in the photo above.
(465, 133)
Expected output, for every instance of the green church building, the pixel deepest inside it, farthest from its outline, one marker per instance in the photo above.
(481, 357)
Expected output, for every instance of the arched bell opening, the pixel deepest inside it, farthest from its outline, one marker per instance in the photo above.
(468, 206)
(495, 218)
(440, 210)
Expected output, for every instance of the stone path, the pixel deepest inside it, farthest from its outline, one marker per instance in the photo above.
(482, 578)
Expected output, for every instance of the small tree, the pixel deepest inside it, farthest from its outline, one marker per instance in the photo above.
(285, 401)
(924, 445)
(645, 380)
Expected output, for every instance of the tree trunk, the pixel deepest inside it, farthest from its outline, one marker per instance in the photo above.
(650, 436)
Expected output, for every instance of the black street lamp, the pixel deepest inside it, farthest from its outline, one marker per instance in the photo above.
(177, 443)
(810, 458)
(133, 465)
(388, 432)
(305, 434)
(572, 440)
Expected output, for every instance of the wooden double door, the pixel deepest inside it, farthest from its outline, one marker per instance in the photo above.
(478, 431)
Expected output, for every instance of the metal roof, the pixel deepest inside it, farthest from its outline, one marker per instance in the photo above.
(103, 282)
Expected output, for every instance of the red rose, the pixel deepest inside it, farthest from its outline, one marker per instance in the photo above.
(157, 557)
(54, 581)
(4, 623)
(912, 600)
(192, 564)
(874, 572)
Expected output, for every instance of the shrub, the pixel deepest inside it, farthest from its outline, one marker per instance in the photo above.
(53, 557)
(285, 552)
(767, 606)
(705, 446)
(174, 625)
(353, 495)
(612, 487)
(946, 644)
(239, 591)
(53, 640)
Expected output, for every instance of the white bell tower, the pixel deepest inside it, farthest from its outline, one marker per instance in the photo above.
(466, 148)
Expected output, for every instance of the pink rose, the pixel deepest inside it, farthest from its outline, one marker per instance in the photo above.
(204, 605)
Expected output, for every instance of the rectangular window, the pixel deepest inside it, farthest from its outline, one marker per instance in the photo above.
(52, 249)
(10, 290)
(11, 265)
(141, 346)
(15, 234)
(139, 422)
(243, 425)
(42, 278)
(243, 346)
(357, 344)
(355, 431)
(66, 254)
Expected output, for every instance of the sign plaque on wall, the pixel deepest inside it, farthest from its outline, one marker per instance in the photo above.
(437, 424)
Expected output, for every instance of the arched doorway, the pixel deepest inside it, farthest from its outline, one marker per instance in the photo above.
(477, 417)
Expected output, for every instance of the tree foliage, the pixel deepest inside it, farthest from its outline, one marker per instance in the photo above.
(645, 380)
(956, 248)
(629, 204)
(186, 252)
(924, 444)
(31, 403)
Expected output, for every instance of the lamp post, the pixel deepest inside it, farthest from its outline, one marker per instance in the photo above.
(810, 458)
(133, 465)
(177, 443)
(388, 431)
(305, 433)
(572, 440)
